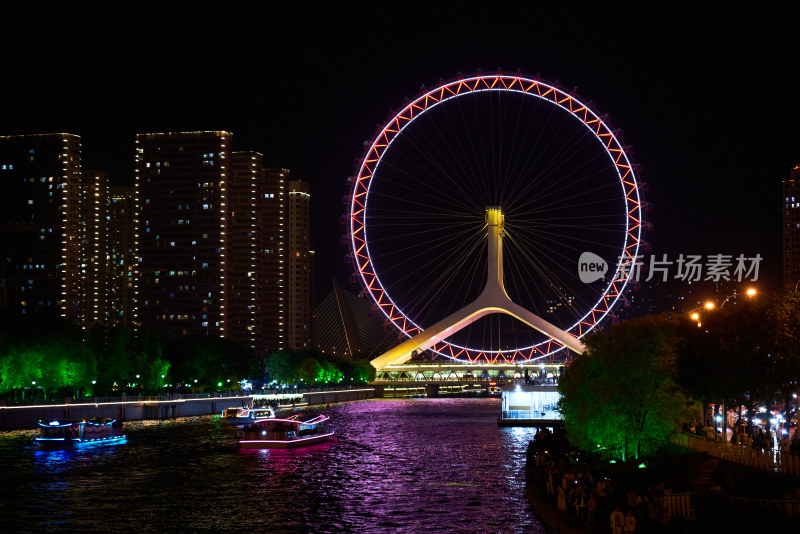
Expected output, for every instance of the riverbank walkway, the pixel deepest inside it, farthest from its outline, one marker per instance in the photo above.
(772, 458)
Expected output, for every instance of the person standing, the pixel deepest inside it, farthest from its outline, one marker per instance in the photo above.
(617, 521)
(630, 523)
(592, 509)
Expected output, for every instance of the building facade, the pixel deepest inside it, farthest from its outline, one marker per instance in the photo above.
(791, 227)
(223, 243)
(121, 258)
(52, 224)
(207, 242)
(272, 266)
(181, 184)
(241, 279)
(300, 260)
(85, 271)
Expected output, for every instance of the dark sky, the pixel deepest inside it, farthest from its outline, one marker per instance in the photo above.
(707, 99)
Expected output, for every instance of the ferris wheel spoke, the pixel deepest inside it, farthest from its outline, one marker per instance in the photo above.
(444, 278)
(523, 281)
(534, 154)
(468, 175)
(555, 162)
(546, 187)
(394, 262)
(436, 229)
(419, 147)
(509, 192)
(554, 280)
(563, 194)
(428, 216)
(418, 183)
(563, 241)
(458, 206)
(480, 171)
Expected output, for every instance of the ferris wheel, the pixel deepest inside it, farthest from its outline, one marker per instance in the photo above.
(418, 214)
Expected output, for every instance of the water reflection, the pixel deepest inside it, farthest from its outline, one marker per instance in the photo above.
(422, 465)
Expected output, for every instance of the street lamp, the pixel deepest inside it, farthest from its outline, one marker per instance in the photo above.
(750, 292)
(694, 314)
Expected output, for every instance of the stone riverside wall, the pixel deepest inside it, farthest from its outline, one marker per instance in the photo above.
(162, 407)
(21, 417)
(344, 395)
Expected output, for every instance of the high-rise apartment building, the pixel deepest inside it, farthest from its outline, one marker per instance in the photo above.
(208, 242)
(213, 229)
(85, 267)
(52, 219)
(272, 266)
(299, 296)
(182, 187)
(791, 227)
(241, 279)
(121, 258)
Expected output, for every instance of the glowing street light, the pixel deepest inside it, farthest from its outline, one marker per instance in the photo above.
(750, 292)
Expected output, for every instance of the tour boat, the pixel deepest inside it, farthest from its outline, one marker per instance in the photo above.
(247, 416)
(79, 433)
(285, 433)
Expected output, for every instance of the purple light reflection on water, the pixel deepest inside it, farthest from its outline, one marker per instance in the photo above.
(421, 465)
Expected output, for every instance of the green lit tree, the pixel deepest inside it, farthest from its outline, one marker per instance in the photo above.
(620, 397)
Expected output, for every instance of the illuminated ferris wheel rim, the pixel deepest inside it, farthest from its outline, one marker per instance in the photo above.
(369, 163)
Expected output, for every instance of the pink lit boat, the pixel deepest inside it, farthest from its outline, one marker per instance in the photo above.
(285, 433)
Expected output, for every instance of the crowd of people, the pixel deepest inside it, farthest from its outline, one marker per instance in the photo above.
(752, 436)
(589, 497)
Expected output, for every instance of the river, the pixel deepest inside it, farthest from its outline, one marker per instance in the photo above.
(396, 465)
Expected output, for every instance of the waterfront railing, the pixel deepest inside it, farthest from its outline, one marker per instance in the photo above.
(122, 398)
(530, 414)
(772, 460)
(293, 392)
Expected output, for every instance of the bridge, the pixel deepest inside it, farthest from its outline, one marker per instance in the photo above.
(414, 378)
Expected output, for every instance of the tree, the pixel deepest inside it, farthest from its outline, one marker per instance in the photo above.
(357, 371)
(282, 367)
(784, 322)
(620, 397)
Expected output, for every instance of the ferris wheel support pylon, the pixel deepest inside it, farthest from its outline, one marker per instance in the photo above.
(493, 299)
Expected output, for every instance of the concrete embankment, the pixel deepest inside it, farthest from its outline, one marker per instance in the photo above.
(163, 407)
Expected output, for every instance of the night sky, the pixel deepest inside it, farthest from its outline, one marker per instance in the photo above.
(705, 98)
